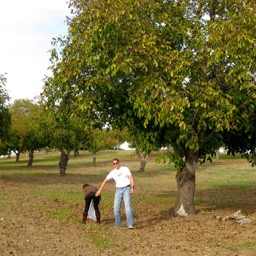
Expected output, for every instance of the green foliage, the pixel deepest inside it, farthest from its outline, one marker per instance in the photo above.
(184, 68)
(66, 135)
(27, 128)
(102, 139)
(5, 118)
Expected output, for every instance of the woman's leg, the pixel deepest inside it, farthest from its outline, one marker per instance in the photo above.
(88, 200)
(96, 201)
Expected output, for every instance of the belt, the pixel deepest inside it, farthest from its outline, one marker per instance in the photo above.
(125, 186)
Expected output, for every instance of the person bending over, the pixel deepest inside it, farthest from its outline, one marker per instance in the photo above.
(89, 195)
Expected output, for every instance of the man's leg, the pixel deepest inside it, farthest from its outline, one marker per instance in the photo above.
(117, 206)
(128, 208)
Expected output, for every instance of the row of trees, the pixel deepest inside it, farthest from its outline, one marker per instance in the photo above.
(176, 73)
(26, 126)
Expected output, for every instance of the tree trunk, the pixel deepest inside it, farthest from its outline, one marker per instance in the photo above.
(143, 156)
(185, 178)
(94, 161)
(31, 157)
(17, 156)
(142, 165)
(63, 163)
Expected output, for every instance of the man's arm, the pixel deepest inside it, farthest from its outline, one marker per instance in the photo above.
(101, 187)
(131, 183)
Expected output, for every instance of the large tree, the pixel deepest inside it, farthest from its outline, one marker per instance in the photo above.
(184, 68)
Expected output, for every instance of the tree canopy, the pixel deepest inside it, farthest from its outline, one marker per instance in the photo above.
(27, 128)
(5, 117)
(185, 69)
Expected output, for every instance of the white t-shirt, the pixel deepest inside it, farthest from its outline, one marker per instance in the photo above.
(121, 176)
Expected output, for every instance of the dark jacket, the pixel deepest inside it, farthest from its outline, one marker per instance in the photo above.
(87, 189)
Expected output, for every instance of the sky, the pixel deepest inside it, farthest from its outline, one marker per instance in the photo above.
(26, 31)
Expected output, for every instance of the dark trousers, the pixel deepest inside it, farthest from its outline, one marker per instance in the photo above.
(96, 201)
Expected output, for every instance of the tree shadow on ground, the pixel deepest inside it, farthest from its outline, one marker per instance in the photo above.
(228, 198)
(51, 178)
(213, 201)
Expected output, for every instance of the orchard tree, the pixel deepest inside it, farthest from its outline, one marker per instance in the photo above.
(67, 135)
(101, 139)
(184, 68)
(5, 118)
(20, 117)
(26, 131)
(37, 136)
(145, 140)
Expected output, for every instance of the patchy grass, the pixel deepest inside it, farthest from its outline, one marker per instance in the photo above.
(38, 205)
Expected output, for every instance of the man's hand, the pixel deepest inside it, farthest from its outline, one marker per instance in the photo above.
(97, 193)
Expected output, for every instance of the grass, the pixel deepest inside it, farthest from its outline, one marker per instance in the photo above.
(241, 246)
(236, 175)
(101, 240)
(67, 193)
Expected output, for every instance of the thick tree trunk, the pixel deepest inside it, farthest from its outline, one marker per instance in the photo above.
(31, 157)
(63, 163)
(185, 178)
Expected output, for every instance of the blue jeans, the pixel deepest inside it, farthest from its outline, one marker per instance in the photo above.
(123, 194)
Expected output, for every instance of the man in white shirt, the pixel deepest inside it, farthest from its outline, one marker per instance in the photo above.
(124, 188)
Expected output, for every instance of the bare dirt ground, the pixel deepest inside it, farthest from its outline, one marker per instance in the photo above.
(28, 230)
(35, 221)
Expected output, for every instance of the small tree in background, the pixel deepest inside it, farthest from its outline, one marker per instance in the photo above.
(101, 139)
(25, 131)
(5, 117)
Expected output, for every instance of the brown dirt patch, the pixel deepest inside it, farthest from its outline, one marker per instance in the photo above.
(25, 229)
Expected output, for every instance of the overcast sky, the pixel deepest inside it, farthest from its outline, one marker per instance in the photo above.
(26, 31)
